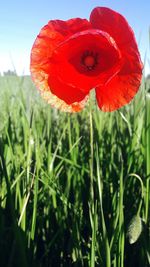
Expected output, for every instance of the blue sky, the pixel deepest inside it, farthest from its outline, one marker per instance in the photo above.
(21, 21)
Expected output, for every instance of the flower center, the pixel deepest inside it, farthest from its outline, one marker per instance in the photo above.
(89, 60)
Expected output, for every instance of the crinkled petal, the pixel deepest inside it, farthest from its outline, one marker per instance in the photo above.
(123, 86)
(103, 18)
(118, 92)
(67, 92)
(50, 36)
(41, 81)
(69, 27)
(115, 24)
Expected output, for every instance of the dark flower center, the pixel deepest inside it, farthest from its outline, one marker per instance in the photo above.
(89, 60)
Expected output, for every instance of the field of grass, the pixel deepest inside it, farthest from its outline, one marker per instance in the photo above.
(75, 188)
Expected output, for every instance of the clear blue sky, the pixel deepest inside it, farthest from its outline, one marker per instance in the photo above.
(21, 21)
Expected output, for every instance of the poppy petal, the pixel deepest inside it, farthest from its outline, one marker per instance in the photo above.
(50, 36)
(118, 92)
(103, 18)
(67, 92)
(115, 24)
(56, 31)
(69, 27)
(58, 103)
(42, 82)
(121, 88)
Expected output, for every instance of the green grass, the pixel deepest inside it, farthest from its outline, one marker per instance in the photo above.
(74, 187)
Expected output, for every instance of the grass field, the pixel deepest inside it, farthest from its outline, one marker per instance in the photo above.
(75, 188)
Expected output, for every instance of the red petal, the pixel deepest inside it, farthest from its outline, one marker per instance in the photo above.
(50, 37)
(118, 92)
(103, 18)
(113, 23)
(68, 93)
(69, 27)
(122, 87)
(41, 81)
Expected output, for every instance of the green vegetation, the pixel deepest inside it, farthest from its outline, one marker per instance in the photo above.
(74, 187)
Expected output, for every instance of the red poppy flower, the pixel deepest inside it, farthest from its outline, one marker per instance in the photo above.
(70, 58)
